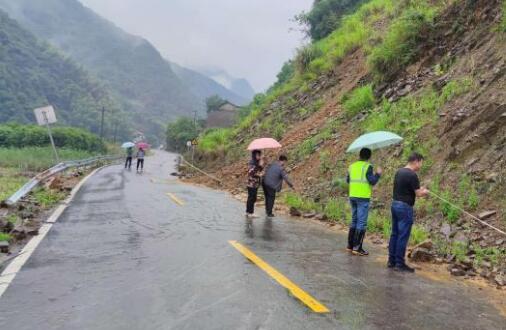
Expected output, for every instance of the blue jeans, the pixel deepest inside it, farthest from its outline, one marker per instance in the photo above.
(402, 221)
(359, 213)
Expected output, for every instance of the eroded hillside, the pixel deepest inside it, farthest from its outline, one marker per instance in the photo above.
(431, 71)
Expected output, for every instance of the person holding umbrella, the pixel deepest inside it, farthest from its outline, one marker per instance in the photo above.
(274, 175)
(130, 153)
(361, 178)
(140, 159)
(255, 168)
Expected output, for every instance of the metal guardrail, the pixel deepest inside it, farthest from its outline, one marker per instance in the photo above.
(35, 181)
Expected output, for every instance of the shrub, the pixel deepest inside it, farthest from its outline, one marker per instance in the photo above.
(359, 100)
(4, 237)
(215, 139)
(21, 136)
(502, 26)
(418, 235)
(306, 55)
(300, 203)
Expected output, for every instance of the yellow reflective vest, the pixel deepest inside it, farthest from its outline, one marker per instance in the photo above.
(359, 186)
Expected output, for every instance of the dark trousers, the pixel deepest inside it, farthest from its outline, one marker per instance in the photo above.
(128, 162)
(140, 162)
(252, 199)
(402, 221)
(270, 198)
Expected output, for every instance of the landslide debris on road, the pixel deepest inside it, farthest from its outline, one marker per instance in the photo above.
(21, 221)
(448, 101)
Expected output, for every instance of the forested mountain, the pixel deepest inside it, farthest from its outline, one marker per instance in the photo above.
(32, 74)
(141, 79)
(203, 86)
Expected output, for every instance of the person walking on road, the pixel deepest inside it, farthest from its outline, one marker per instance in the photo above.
(361, 178)
(406, 189)
(255, 168)
(140, 159)
(128, 161)
(274, 176)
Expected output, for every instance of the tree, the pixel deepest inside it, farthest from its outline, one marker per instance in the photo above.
(325, 16)
(179, 132)
(214, 102)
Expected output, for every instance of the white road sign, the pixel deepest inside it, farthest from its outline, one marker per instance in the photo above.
(45, 115)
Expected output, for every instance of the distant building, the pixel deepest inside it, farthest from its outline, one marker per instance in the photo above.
(226, 116)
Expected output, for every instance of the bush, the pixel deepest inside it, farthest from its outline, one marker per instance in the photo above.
(418, 235)
(306, 55)
(180, 132)
(300, 203)
(216, 139)
(502, 26)
(335, 209)
(359, 100)
(22, 136)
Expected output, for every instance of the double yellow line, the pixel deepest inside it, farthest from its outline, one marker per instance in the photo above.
(302, 295)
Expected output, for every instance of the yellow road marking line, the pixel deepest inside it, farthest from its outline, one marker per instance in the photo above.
(175, 199)
(302, 295)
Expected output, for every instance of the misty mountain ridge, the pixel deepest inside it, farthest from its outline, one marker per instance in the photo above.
(203, 86)
(239, 86)
(142, 81)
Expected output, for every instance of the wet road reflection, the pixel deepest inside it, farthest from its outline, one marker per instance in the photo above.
(125, 256)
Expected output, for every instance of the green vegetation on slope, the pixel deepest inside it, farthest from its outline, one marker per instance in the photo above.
(325, 16)
(38, 158)
(33, 75)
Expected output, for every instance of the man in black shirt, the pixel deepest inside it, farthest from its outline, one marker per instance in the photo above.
(406, 189)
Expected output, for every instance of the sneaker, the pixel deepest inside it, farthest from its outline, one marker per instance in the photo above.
(253, 215)
(360, 252)
(404, 268)
(270, 215)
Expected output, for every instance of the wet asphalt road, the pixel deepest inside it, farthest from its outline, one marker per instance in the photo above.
(126, 256)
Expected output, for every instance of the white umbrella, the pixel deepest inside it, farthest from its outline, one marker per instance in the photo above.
(374, 140)
(127, 145)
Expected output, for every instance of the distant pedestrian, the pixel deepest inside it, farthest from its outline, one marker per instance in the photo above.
(140, 159)
(128, 161)
(255, 171)
(272, 183)
(361, 178)
(406, 189)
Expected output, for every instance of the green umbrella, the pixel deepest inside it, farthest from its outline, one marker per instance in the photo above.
(374, 140)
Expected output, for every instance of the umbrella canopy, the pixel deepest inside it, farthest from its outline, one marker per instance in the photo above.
(127, 145)
(142, 145)
(264, 143)
(374, 140)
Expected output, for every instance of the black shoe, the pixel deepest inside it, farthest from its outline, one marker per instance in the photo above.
(270, 215)
(404, 268)
(390, 264)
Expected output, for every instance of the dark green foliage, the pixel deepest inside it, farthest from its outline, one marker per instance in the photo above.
(325, 16)
(34, 75)
(214, 102)
(286, 73)
(180, 132)
(142, 80)
(21, 136)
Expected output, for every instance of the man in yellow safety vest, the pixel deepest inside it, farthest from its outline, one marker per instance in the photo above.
(361, 178)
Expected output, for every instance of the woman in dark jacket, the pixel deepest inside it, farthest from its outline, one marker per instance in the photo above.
(255, 169)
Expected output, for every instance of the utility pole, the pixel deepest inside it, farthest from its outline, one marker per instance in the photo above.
(102, 124)
(195, 129)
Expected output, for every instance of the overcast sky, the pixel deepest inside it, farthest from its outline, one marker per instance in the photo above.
(248, 38)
